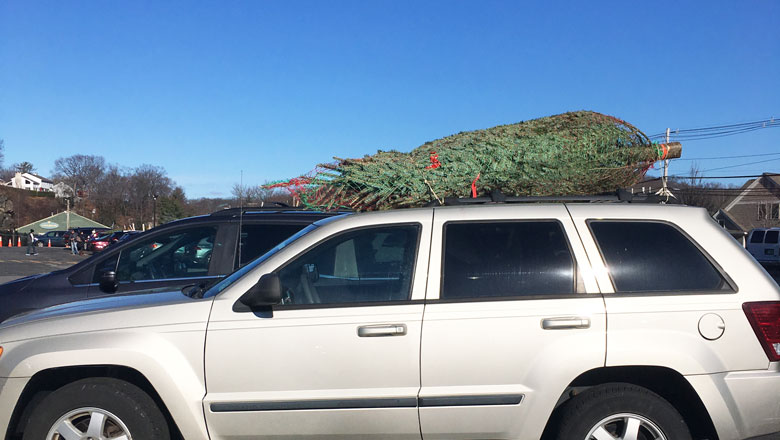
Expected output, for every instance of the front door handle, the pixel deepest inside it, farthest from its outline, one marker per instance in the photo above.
(565, 322)
(372, 331)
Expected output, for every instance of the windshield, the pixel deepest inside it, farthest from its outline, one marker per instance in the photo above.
(235, 276)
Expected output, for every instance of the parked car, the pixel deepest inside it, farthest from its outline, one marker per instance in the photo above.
(101, 242)
(558, 321)
(84, 233)
(57, 239)
(156, 259)
(764, 245)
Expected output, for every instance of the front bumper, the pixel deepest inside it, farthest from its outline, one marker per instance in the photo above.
(743, 404)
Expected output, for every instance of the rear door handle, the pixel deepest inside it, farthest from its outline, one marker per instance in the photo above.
(372, 331)
(565, 322)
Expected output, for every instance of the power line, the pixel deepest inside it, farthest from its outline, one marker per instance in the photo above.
(728, 157)
(718, 130)
(739, 165)
(724, 177)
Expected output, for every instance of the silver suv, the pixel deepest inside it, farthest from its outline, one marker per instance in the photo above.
(585, 321)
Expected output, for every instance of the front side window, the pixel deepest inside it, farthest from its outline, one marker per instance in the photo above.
(184, 253)
(505, 259)
(654, 256)
(363, 266)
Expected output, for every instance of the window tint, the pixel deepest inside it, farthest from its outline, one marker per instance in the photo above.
(177, 254)
(771, 237)
(506, 259)
(259, 239)
(653, 256)
(367, 265)
(757, 237)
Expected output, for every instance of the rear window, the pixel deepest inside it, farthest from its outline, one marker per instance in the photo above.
(757, 237)
(771, 237)
(504, 259)
(654, 257)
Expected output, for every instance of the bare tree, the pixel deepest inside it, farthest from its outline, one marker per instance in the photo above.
(23, 167)
(2, 152)
(694, 191)
(146, 184)
(81, 172)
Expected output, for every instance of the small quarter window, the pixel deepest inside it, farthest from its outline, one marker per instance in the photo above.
(260, 238)
(654, 257)
(505, 259)
(757, 237)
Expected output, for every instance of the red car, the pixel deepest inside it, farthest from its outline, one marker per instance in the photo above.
(101, 242)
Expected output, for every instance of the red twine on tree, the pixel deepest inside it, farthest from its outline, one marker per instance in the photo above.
(434, 161)
(474, 186)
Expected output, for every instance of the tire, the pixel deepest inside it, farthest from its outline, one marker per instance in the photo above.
(609, 411)
(122, 407)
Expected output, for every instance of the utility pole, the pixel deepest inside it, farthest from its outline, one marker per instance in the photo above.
(67, 214)
(664, 191)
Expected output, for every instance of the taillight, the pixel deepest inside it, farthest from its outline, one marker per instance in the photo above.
(764, 316)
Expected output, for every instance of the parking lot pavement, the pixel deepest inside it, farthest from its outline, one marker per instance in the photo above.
(15, 264)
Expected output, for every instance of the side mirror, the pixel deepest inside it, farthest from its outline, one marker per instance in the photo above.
(267, 292)
(108, 282)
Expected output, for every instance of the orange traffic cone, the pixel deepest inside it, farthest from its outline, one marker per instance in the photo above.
(9, 243)
(49, 245)
(1, 242)
(18, 241)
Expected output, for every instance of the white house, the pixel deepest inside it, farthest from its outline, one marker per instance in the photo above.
(32, 182)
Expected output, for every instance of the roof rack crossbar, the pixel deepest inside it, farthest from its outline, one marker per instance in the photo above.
(498, 197)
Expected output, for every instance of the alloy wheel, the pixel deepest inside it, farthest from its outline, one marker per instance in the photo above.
(625, 427)
(89, 424)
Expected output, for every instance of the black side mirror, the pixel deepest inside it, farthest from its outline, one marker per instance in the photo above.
(108, 282)
(267, 292)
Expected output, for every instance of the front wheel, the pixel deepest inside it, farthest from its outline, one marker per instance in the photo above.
(619, 411)
(97, 408)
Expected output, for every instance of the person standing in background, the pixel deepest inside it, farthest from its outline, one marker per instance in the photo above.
(31, 243)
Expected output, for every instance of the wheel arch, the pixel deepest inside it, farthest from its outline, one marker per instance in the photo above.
(46, 381)
(666, 382)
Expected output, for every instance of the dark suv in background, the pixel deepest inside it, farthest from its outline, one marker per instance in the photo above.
(188, 252)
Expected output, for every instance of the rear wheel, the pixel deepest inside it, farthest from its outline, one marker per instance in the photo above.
(97, 409)
(619, 411)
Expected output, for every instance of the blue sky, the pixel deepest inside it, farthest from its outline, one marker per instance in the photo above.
(209, 89)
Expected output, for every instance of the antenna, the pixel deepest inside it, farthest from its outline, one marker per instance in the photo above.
(240, 214)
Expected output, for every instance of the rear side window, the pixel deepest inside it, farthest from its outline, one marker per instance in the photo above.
(259, 239)
(771, 237)
(757, 237)
(654, 256)
(504, 259)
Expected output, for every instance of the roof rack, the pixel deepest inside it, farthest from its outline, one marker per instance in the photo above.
(269, 206)
(621, 195)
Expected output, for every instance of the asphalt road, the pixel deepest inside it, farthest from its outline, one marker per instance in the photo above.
(15, 264)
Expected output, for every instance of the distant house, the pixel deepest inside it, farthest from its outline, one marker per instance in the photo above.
(757, 205)
(62, 190)
(31, 182)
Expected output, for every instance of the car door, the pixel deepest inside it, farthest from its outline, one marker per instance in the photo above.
(169, 259)
(339, 358)
(513, 315)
